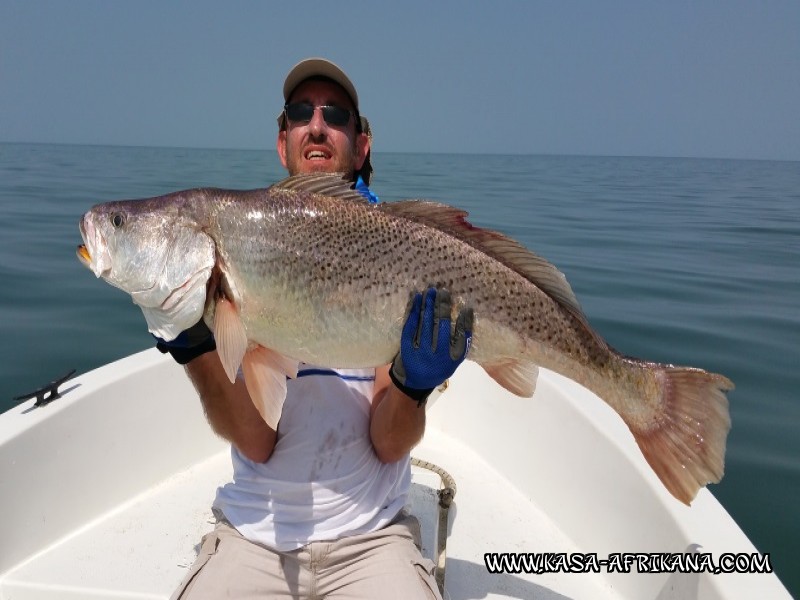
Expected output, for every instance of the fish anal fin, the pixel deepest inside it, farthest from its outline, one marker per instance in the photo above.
(518, 377)
(686, 448)
(230, 336)
(265, 372)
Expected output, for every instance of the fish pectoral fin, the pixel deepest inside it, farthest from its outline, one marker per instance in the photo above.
(230, 336)
(517, 376)
(265, 373)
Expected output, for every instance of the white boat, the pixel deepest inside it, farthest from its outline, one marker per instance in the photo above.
(106, 493)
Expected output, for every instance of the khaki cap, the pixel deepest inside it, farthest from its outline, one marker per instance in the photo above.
(318, 67)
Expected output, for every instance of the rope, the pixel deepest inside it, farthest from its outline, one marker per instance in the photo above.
(448, 491)
(446, 495)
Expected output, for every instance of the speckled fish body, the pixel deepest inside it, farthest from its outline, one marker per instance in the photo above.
(328, 282)
(306, 270)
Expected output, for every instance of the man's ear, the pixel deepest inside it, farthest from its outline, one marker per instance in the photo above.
(362, 148)
(281, 146)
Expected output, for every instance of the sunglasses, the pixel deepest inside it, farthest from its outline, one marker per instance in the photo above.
(303, 112)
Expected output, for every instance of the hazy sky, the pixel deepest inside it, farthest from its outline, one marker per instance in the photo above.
(666, 78)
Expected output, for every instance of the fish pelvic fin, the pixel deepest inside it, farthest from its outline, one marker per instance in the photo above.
(686, 448)
(518, 377)
(265, 372)
(230, 336)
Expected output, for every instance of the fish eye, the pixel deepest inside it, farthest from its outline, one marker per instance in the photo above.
(117, 220)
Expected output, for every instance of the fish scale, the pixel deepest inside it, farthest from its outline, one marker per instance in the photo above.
(306, 270)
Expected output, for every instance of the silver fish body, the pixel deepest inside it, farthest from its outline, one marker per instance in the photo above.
(309, 272)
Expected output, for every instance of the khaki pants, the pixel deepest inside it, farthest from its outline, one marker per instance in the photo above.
(385, 564)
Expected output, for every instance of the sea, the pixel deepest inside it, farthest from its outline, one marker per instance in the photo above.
(680, 260)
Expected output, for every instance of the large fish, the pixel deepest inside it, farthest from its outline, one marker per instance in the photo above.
(306, 270)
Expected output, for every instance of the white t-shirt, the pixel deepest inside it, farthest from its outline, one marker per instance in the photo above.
(323, 480)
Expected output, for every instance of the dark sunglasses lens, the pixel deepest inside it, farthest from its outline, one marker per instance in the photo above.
(334, 115)
(302, 113)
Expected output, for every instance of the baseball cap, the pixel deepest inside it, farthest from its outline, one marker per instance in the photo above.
(318, 67)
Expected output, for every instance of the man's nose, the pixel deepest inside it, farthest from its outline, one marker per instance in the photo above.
(317, 124)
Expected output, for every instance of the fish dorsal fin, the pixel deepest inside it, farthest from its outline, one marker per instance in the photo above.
(325, 184)
(515, 256)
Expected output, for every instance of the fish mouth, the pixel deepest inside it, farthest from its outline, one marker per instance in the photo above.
(83, 252)
(97, 261)
(84, 256)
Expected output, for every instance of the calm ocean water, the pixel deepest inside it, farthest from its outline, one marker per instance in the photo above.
(690, 261)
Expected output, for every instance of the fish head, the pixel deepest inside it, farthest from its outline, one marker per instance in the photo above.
(155, 251)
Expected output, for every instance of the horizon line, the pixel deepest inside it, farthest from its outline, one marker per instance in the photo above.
(378, 152)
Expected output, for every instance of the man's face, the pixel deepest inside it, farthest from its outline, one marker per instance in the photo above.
(317, 146)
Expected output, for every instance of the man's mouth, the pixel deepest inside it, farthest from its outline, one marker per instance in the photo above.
(317, 155)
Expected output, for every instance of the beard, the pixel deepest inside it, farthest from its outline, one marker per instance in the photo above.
(341, 160)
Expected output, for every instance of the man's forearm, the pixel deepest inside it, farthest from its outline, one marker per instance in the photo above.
(229, 409)
(397, 422)
(430, 351)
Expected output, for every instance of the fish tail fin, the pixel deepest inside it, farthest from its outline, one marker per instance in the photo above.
(686, 446)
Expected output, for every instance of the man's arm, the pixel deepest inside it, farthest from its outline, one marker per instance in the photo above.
(429, 353)
(397, 422)
(229, 409)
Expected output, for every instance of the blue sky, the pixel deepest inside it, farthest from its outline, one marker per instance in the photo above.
(677, 78)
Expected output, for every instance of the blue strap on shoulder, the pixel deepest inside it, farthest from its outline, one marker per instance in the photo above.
(362, 189)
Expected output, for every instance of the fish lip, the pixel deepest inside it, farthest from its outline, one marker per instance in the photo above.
(88, 258)
(83, 252)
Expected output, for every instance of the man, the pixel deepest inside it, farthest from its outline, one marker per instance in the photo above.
(315, 508)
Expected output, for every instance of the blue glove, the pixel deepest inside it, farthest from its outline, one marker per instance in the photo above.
(189, 344)
(362, 189)
(429, 353)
